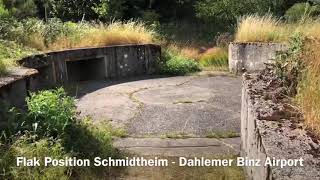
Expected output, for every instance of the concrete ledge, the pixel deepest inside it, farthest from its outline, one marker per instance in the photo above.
(251, 57)
(268, 131)
(15, 86)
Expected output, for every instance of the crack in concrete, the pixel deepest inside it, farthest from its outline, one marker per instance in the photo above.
(171, 147)
(226, 144)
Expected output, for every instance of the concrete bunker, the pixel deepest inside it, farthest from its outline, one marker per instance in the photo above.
(86, 69)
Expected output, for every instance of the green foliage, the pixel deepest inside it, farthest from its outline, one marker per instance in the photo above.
(4, 13)
(301, 12)
(21, 8)
(177, 64)
(10, 52)
(150, 16)
(216, 58)
(230, 10)
(289, 65)
(53, 112)
(50, 111)
(3, 68)
(27, 146)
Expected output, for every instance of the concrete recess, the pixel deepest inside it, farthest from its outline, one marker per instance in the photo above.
(53, 69)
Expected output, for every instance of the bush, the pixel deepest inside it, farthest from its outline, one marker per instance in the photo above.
(301, 12)
(49, 129)
(3, 68)
(216, 58)
(50, 111)
(177, 64)
(27, 146)
(288, 64)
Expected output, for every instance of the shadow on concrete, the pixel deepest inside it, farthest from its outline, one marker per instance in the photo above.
(81, 88)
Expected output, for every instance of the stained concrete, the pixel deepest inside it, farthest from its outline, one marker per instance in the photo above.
(192, 147)
(192, 105)
(252, 56)
(151, 109)
(268, 130)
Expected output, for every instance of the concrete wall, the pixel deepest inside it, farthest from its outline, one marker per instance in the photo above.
(250, 57)
(14, 87)
(266, 133)
(51, 69)
(119, 62)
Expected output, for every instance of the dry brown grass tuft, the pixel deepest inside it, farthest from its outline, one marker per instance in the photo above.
(267, 28)
(254, 28)
(308, 96)
(186, 51)
(215, 58)
(116, 33)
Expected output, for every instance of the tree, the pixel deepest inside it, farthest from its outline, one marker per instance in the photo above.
(230, 10)
(21, 8)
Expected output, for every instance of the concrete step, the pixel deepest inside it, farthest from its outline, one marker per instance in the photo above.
(191, 147)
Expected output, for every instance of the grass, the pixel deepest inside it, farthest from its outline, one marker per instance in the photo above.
(267, 28)
(178, 64)
(178, 135)
(308, 96)
(10, 52)
(220, 134)
(27, 37)
(116, 33)
(50, 128)
(215, 58)
(255, 28)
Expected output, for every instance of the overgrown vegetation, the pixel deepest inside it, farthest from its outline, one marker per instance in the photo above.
(308, 91)
(215, 58)
(178, 64)
(298, 68)
(50, 129)
(268, 28)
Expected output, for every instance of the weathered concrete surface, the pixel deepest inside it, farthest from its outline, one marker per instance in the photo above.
(251, 57)
(15, 86)
(192, 105)
(192, 147)
(267, 131)
(110, 62)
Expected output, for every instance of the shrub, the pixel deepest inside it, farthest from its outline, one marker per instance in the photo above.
(177, 64)
(50, 111)
(27, 146)
(301, 12)
(288, 64)
(53, 111)
(3, 68)
(216, 58)
(10, 52)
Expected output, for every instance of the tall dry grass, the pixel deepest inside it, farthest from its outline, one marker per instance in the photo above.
(215, 59)
(187, 51)
(308, 97)
(254, 28)
(116, 33)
